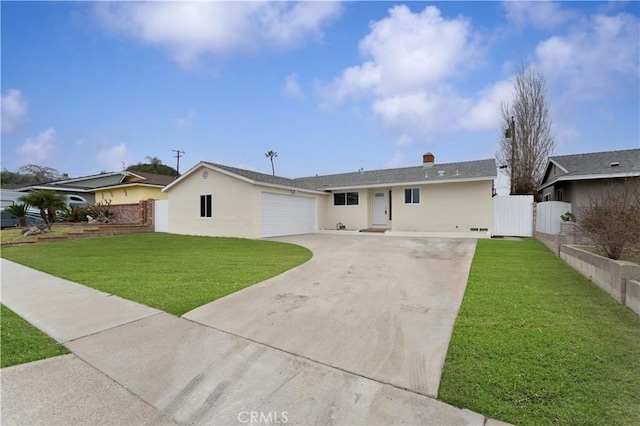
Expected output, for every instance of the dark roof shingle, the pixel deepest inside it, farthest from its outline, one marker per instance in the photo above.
(438, 172)
(600, 163)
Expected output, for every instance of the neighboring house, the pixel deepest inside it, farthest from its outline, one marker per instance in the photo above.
(133, 187)
(120, 187)
(575, 178)
(218, 200)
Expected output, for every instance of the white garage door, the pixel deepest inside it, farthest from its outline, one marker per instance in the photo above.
(287, 215)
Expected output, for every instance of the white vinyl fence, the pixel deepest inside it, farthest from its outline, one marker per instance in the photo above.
(161, 215)
(513, 216)
(548, 216)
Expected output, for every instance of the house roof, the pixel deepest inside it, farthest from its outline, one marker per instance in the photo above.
(262, 177)
(593, 165)
(124, 178)
(446, 172)
(151, 179)
(438, 173)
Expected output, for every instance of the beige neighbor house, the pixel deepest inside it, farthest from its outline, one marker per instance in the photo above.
(218, 200)
(575, 178)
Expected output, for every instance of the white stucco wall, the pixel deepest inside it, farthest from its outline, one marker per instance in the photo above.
(352, 217)
(447, 207)
(236, 205)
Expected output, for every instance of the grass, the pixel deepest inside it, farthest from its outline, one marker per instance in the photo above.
(21, 342)
(537, 343)
(174, 273)
(11, 235)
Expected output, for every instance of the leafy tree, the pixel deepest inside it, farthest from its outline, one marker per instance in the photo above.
(47, 201)
(153, 166)
(527, 141)
(19, 211)
(271, 155)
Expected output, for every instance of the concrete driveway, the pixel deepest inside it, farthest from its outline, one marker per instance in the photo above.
(380, 307)
(357, 335)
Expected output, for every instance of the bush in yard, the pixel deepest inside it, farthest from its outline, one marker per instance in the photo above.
(100, 212)
(75, 214)
(611, 218)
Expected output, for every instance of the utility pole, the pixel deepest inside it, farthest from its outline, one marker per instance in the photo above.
(178, 155)
(511, 134)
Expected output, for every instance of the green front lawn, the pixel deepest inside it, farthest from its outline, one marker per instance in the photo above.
(21, 342)
(174, 273)
(537, 343)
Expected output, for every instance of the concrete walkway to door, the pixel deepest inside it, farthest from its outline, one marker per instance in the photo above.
(376, 306)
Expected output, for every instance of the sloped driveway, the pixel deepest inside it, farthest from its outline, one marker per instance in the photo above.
(379, 307)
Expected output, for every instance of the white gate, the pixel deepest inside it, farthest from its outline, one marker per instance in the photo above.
(548, 216)
(161, 215)
(513, 216)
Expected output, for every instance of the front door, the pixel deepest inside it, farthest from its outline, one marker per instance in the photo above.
(379, 209)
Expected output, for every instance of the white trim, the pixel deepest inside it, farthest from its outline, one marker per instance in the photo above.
(404, 196)
(558, 165)
(588, 177)
(57, 189)
(127, 185)
(388, 185)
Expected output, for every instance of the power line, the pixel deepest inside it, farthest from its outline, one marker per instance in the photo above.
(178, 152)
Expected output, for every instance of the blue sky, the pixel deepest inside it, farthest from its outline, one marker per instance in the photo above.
(332, 87)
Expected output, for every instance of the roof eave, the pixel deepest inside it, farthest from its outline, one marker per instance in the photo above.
(127, 185)
(408, 183)
(588, 177)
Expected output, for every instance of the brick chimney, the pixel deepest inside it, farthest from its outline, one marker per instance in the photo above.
(428, 159)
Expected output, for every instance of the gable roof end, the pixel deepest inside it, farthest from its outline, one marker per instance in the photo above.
(594, 165)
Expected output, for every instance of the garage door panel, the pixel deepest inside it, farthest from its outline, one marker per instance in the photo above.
(287, 215)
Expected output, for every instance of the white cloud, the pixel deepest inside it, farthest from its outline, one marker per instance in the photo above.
(539, 14)
(599, 59)
(36, 150)
(291, 87)
(190, 30)
(14, 111)
(408, 51)
(184, 122)
(409, 63)
(484, 114)
(115, 158)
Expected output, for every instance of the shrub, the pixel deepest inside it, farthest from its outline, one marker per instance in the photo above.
(100, 212)
(611, 218)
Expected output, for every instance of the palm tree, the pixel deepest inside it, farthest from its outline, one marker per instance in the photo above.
(271, 155)
(155, 162)
(19, 211)
(47, 201)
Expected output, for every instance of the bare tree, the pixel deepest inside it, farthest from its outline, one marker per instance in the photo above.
(271, 155)
(611, 217)
(527, 141)
(39, 173)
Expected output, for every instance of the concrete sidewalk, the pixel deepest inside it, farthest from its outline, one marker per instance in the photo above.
(135, 365)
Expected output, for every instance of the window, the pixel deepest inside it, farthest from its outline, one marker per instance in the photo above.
(412, 196)
(346, 198)
(205, 205)
(559, 195)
